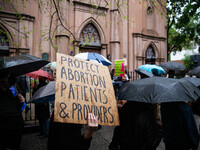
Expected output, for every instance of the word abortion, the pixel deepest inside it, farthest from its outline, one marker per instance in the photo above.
(83, 77)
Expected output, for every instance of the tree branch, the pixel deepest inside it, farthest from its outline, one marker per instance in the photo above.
(2, 20)
(61, 20)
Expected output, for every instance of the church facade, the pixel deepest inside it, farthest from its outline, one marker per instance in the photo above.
(132, 30)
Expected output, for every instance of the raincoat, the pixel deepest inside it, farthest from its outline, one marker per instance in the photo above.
(179, 127)
(11, 122)
(138, 129)
(65, 136)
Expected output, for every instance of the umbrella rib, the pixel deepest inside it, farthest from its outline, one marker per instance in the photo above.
(153, 91)
(185, 89)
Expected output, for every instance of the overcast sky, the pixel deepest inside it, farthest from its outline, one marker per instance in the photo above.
(180, 55)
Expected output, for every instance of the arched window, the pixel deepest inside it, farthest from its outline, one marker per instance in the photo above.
(4, 42)
(90, 36)
(150, 18)
(150, 55)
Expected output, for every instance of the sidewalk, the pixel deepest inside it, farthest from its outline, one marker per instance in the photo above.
(101, 140)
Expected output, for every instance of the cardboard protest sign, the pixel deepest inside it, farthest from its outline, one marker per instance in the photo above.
(119, 68)
(83, 87)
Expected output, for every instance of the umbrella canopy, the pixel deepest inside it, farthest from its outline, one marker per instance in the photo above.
(94, 57)
(44, 94)
(193, 80)
(40, 73)
(153, 69)
(195, 71)
(143, 72)
(159, 90)
(52, 64)
(21, 64)
(173, 66)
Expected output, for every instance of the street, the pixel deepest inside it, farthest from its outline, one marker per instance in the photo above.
(101, 140)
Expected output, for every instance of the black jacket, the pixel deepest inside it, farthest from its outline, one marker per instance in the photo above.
(138, 129)
(42, 110)
(10, 114)
(179, 126)
(65, 136)
(11, 121)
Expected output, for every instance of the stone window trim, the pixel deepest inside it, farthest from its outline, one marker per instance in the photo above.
(150, 56)
(90, 36)
(4, 41)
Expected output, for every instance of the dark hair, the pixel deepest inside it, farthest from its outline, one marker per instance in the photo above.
(4, 73)
(155, 72)
(12, 78)
(113, 70)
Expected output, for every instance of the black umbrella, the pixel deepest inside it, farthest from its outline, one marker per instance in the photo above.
(143, 72)
(194, 80)
(173, 66)
(195, 71)
(21, 64)
(44, 94)
(158, 90)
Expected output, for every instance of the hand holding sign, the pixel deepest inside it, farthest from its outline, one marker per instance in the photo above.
(92, 121)
(92, 125)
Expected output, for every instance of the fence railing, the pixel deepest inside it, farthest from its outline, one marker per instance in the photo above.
(133, 75)
(24, 83)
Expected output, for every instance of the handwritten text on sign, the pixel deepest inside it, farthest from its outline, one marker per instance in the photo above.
(83, 87)
(119, 68)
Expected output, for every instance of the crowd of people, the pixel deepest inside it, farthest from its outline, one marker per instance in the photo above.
(12, 124)
(148, 124)
(144, 129)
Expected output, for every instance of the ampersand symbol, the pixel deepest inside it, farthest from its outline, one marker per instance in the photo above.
(62, 113)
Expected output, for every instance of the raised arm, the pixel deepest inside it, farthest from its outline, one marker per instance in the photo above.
(92, 125)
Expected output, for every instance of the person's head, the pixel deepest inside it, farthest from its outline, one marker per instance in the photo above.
(143, 76)
(42, 81)
(171, 73)
(155, 72)
(7, 79)
(126, 72)
(113, 71)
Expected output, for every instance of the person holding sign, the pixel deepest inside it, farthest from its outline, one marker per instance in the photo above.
(68, 136)
(83, 88)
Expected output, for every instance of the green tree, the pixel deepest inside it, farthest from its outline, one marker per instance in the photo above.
(183, 24)
(187, 61)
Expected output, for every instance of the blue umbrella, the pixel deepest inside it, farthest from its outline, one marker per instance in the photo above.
(154, 69)
(95, 57)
